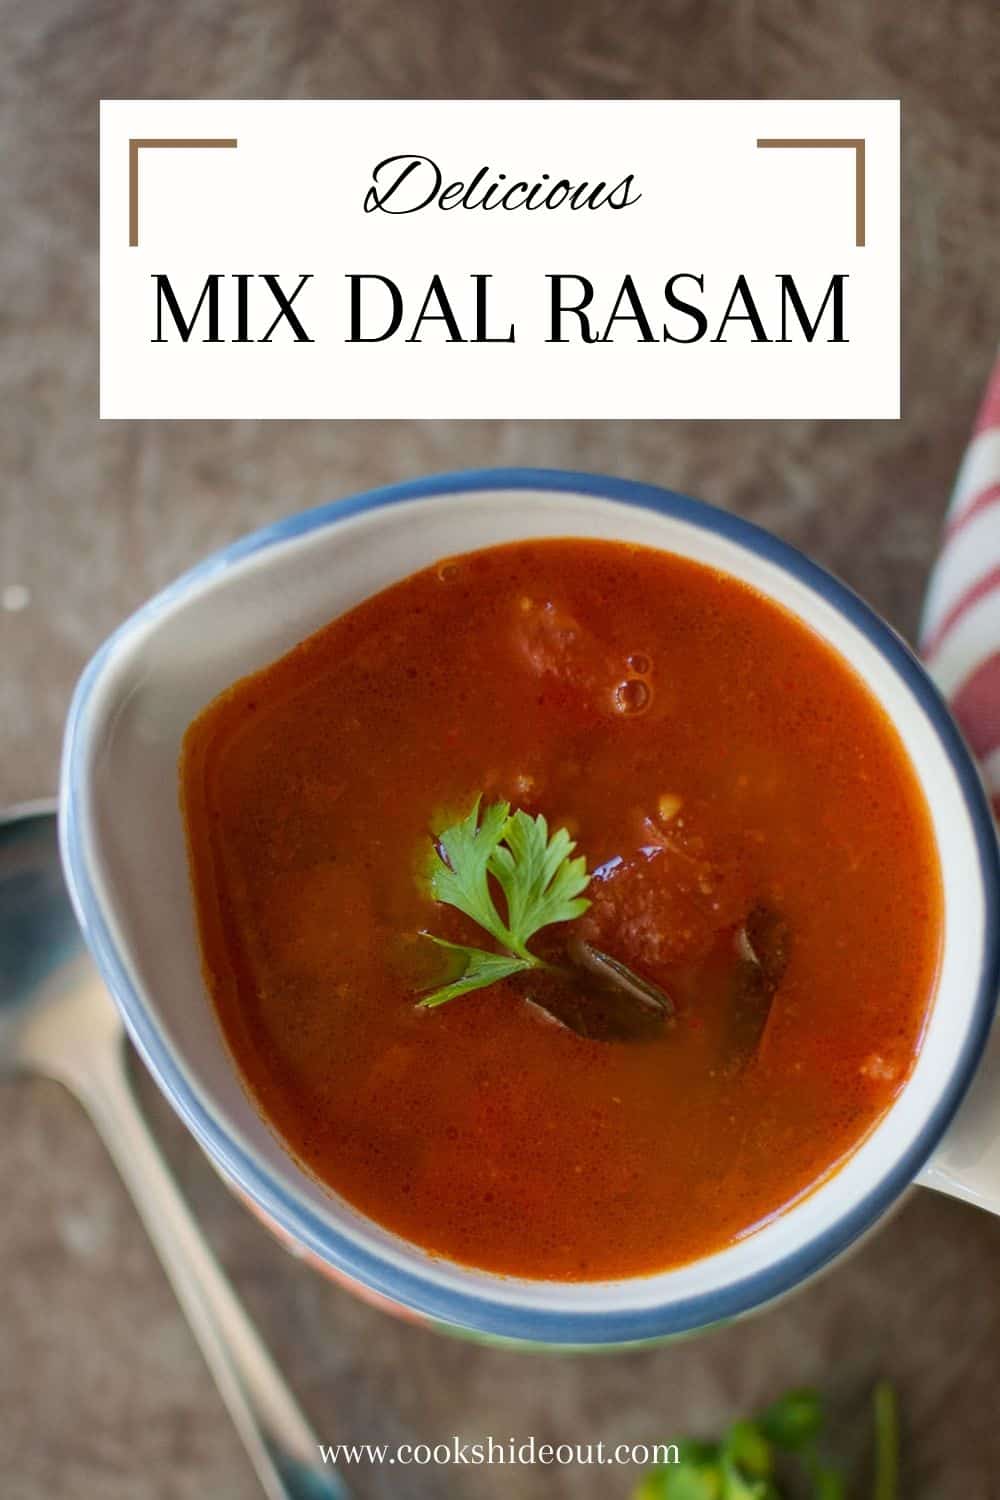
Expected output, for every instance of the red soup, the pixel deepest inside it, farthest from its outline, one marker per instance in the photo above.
(612, 1088)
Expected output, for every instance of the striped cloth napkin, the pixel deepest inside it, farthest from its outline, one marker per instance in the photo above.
(960, 632)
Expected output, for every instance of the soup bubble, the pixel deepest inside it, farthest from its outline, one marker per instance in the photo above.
(632, 696)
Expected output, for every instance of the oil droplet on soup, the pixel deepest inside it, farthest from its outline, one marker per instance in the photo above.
(762, 855)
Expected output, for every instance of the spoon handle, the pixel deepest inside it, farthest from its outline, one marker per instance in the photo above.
(279, 1440)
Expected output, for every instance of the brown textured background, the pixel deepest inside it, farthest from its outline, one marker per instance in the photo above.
(102, 1393)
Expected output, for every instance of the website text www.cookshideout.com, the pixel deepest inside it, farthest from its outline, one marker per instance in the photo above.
(516, 1452)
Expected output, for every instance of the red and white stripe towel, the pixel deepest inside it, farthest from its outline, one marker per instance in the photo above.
(960, 633)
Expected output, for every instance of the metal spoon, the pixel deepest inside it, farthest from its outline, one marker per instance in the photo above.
(57, 1019)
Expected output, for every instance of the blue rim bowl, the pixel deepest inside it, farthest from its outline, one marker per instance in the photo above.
(415, 1289)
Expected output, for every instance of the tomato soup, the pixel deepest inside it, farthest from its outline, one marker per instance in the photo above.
(759, 854)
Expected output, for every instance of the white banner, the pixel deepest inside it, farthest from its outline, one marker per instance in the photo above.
(347, 258)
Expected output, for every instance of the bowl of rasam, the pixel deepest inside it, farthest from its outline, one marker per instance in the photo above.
(559, 907)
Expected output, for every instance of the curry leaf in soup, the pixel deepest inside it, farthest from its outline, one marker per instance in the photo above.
(481, 969)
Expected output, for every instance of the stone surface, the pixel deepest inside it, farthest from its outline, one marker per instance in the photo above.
(102, 1392)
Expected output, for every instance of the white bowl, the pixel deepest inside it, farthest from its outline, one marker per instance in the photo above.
(125, 857)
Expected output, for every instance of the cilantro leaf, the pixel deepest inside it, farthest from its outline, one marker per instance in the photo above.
(794, 1421)
(828, 1485)
(481, 968)
(749, 1450)
(460, 866)
(886, 1442)
(688, 1480)
(540, 882)
(736, 1485)
(741, 1467)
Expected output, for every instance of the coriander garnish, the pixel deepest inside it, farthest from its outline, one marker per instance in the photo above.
(540, 881)
(744, 1465)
